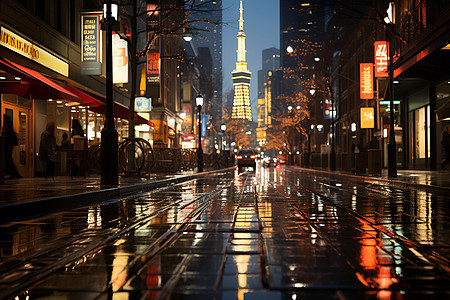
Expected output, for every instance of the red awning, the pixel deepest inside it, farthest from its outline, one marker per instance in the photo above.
(118, 110)
(32, 84)
(87, 100)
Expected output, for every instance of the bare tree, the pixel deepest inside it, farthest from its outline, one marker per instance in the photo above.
(155, 19)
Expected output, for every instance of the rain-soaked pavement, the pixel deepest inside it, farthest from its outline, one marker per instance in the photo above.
(279, 233)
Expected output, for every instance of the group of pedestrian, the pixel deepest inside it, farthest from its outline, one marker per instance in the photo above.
(47, 146)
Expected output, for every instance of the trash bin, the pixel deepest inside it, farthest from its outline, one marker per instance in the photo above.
(374, 162)
(360, 162)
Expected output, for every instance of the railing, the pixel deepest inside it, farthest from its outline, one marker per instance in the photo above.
(137, 157)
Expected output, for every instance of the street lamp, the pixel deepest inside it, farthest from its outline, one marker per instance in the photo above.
(199, 103)
(109, 135)
(392, 147)
(223, 127)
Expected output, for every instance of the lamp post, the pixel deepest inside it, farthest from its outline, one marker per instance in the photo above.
(199, 103)
(109, 144)
(223, 127)
(392, 147)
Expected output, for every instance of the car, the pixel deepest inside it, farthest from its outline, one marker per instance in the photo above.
(280, 160)
(246, 158)
(269, 162)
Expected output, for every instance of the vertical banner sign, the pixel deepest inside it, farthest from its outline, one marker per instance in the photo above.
(120, 60)
(90, 45)
(327, 107)
(367, 117)
(152, 67)
(381, 58)
(366, 80)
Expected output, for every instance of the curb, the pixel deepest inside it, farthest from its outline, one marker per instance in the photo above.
(406, 183)
(32, 209)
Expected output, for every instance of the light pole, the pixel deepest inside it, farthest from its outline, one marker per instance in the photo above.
(333, 151)
(199, 103)
(109, 144)
(392, 147)
(223, 127)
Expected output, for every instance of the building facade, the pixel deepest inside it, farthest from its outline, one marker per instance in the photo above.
(43, 81)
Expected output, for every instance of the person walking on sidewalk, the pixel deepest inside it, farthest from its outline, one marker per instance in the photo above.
(47, 149)
(445, 142)
(11, 141)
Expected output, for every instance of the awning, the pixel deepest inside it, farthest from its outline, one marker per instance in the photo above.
(443, 111)
(32, 84)
(86, 99)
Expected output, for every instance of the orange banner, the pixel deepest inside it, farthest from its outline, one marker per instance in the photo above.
(366, 80)
(381, 53)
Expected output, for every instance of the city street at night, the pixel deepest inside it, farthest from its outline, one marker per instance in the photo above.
(224, 149)
(276, 233)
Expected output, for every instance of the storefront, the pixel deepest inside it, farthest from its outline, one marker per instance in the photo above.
(34, 91)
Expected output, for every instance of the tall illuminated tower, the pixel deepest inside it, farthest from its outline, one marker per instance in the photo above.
(241, 77)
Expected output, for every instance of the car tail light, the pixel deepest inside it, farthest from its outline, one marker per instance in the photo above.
(252, 156)
(239, 157)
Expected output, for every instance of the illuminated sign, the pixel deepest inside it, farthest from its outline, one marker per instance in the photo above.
(16, 43)
(189, 138)
(153, 67)
(90, 45)
(120, 59)
(366, 80)
(387, 102)
(381, 52)
(143, 104)
(327, 108)
(367, 117)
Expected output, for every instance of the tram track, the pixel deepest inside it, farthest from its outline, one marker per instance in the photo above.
(421, 254)
(91, 242)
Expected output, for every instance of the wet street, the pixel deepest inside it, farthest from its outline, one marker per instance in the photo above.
(273, 233)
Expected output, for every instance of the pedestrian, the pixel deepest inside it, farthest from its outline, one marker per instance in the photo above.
(65, 144)
(77, 130)
(47, 149)
(445, 142)
(11, 141)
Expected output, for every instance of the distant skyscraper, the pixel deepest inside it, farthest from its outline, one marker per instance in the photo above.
(241, 77)
(210, 36)
(270, 63)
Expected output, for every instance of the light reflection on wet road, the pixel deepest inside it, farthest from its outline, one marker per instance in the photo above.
(278, 233)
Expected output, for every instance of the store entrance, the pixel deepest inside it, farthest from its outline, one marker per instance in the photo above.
(23, 153)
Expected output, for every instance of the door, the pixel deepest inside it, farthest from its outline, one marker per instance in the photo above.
(23, 153)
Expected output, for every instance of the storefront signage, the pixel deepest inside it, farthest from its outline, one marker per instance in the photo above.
(367, 117)
(189, 138)
(327, 108)
(381, 58)
(90, 45)
(153, 67)
(22, 46)
(366, 80)
(120, 60)
(143, 104)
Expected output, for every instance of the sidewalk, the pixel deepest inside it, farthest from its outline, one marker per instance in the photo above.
(422, 178)
(30, 197)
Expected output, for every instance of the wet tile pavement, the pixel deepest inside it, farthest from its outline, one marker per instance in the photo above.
(280, 233)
